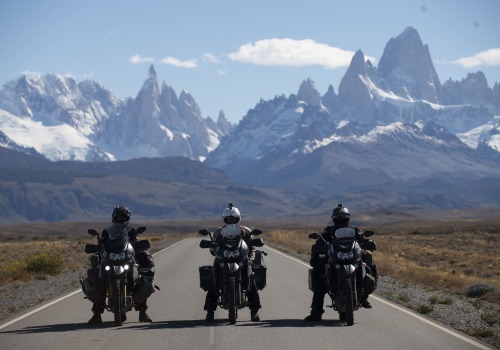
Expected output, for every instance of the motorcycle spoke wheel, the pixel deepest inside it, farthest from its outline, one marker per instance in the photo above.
(233, 312)
(348, 300)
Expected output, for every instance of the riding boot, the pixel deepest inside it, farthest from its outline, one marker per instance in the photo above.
(97, 309)
(96, 319)
(210, 316)
(143, 316)
(254, 315)
(315, 315)
(365, 303)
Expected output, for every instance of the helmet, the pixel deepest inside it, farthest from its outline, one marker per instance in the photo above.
(231, 215)
(121, 215)
(341, 215)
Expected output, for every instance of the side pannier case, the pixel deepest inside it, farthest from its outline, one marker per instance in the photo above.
(207, 281)
(260, 270)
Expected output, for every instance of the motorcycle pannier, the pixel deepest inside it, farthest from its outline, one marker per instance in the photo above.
(260, 270)
(206, 278)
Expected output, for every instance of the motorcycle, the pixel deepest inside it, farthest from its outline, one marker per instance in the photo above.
(229, 281)
(345, 274)
(117, 270)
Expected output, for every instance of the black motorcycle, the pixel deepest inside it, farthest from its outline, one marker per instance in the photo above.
(345, 272)
(227, 278)
(118, 270)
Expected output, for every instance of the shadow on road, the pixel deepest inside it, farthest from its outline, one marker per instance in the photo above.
(285, 323)
(72, 327)
(54, 328)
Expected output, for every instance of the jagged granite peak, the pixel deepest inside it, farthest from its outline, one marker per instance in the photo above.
(355, 93)
(330, 99)
(309, 94)
(473, 90)
(407, 68)
(152, 72)
(224, 125)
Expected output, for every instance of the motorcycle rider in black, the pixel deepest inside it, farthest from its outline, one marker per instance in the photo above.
(340, 218)
(95, 290)
(231, 216)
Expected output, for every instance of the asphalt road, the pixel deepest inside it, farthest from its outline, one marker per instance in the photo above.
(179, 319)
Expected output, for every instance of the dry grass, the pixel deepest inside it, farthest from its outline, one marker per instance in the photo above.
(437, 255)
(22, 244)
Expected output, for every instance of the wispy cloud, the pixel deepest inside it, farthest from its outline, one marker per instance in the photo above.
(136, 59)
(179, 63)
(210, 58)
(290, 52)
(30, 73)
(489, 57)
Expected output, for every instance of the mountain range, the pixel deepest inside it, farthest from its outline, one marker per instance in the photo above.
(393, 135)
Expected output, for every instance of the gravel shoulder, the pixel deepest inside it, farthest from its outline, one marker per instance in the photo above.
(460, 313)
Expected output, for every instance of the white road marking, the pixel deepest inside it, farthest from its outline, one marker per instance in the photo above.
(64, 297)
(468, 340)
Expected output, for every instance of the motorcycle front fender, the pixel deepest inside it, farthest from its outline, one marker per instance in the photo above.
(345, 270)
(232, 267)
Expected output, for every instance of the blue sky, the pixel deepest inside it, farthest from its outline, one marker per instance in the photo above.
(229, 54)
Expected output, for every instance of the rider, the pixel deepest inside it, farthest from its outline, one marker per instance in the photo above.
(340, 218)
(95, 291)
(231, 216)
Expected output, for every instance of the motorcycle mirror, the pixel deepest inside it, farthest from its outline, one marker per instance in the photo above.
(92, 232)
(206, 244)
(313, 235)
(256, 232)
(141, 229)
(256, 242)
(204, 232)
(368, 233)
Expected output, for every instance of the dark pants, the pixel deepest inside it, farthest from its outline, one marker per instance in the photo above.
(320, 289)
(253, 298)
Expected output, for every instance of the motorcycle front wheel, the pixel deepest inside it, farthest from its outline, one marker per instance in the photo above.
(233, 312)
(348, 301)
(117, 302)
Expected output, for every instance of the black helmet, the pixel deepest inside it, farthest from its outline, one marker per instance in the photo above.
(341, 215)
(120, 215)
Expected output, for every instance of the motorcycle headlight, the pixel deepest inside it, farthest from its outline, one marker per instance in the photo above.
(126, 267)
(231, 254)
(345, 256)
(107, 268)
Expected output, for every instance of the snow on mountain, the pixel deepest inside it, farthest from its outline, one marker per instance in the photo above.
(84, 121)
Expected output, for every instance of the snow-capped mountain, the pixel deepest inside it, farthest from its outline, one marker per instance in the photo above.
(66, 120)
(394, 122)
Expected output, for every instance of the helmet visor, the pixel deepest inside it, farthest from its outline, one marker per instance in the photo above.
(231, 220)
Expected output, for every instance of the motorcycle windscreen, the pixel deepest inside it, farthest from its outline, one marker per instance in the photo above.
(231, 235)
(118, 237)
(345, 236)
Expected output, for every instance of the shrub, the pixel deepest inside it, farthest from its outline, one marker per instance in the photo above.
(480, 332)
(479, 289)
(48, 263)
(490, 318)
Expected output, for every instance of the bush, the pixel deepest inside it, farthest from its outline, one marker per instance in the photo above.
(480, 332)
(479, 289)
(491, 318)
(48, 263)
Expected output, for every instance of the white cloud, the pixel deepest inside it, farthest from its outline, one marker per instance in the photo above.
(178, 63)
(208, 57)
(30, 73)
(290, 52)
(136, 59)
(489, 57)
